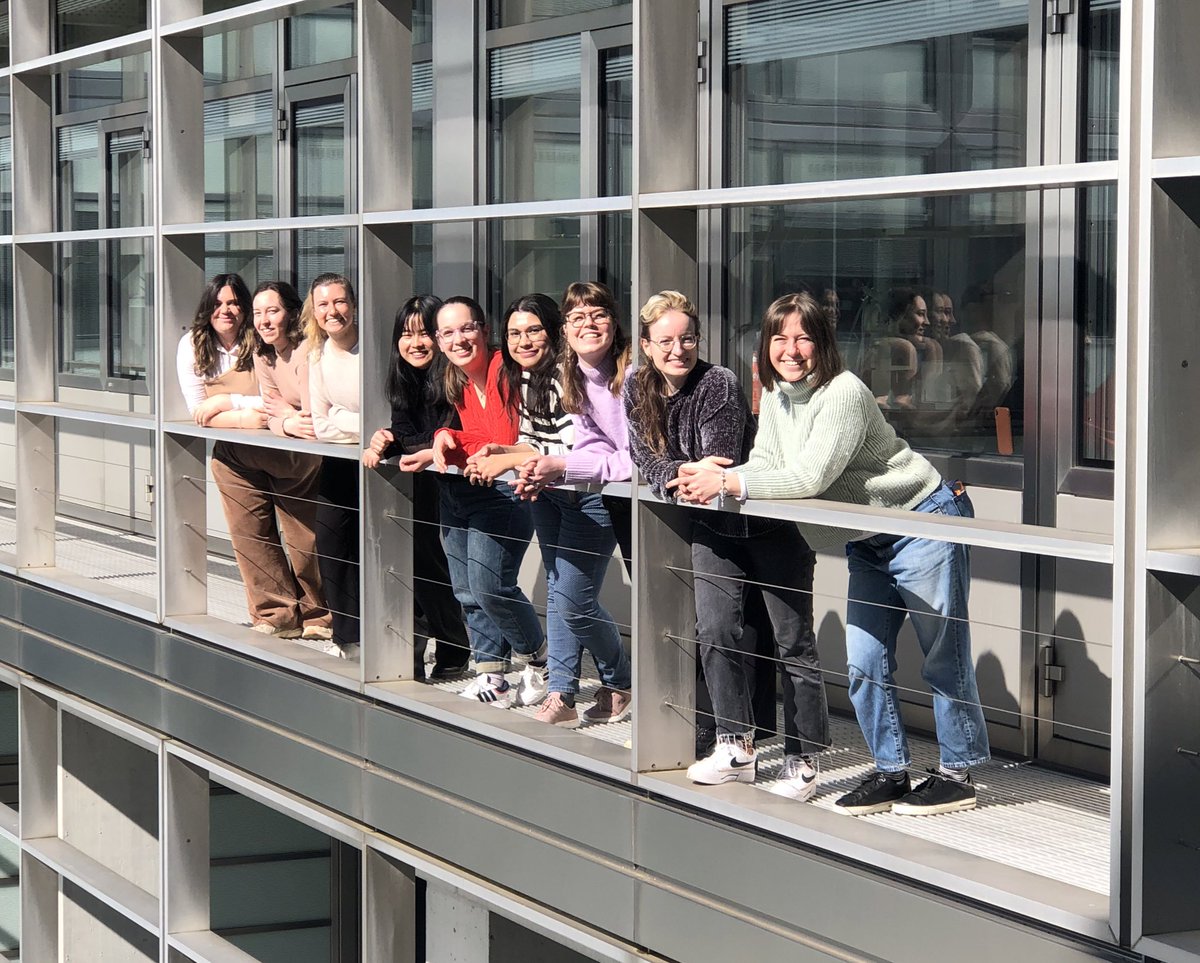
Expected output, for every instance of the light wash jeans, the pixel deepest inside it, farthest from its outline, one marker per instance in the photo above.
(486, 532)
(576, 538)
(890, 574)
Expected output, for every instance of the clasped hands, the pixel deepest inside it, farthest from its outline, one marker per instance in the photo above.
(699, 482)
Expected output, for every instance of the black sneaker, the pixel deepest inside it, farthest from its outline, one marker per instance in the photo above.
(937, 794)
(875, 794)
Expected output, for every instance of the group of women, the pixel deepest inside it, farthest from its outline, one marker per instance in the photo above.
(512, 432)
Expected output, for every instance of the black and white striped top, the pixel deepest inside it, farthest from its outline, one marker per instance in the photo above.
(550, 436)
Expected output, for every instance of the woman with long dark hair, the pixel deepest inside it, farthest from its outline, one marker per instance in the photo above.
(416, 393)
(679, 406)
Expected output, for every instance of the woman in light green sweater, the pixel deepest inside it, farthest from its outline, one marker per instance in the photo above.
(821, 434)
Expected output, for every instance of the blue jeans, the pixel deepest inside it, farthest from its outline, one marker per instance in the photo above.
(486, 532)
(889, 575)
(576, 538)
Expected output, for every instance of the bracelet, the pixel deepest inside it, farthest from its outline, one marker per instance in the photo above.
(724, 487)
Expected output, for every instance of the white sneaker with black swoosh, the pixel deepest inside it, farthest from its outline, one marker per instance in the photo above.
(797, 779)
(733, 759)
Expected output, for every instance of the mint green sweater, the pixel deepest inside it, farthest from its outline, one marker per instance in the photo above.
(834, 443)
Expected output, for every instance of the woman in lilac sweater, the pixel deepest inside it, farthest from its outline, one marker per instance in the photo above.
(595, 359)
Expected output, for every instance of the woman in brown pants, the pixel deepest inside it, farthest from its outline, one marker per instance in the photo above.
(262, 490)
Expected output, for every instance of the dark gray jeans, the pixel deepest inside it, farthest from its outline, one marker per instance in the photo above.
(778, 558)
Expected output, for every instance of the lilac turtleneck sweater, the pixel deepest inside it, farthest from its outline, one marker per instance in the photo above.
(601, 450)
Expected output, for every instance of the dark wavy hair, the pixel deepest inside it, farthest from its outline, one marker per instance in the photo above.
(292, 304)
(648, 416)
(204, 338)
(539, 399)
(454, 379)
(826, 359)
(592, 294)
(416, 388)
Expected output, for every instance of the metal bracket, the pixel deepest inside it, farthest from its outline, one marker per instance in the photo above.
(146, 142)
(149, 490)
(701, 61)
(281, 124)
(1057, 12)
(1050, 674)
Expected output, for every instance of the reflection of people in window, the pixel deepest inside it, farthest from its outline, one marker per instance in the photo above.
(904, 361)
(997, 358)
(962, 362)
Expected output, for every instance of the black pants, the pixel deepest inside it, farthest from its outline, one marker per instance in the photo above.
(337, 545)
(440, 616)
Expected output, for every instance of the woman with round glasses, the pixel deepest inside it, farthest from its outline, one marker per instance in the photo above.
(486, 528)
(575, 530)
(679, 406)
(416, 391)
(822, 434)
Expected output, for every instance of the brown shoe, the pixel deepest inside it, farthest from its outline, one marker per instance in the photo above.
(558, 713)
(612, 705)
(320, 633)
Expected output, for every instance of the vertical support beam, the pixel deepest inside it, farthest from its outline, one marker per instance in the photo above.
(456, 927)
(386, 550)
(33, 148)
(184, 831)
(389, 909)
(30, 32)
(38, 752)
(182, 514)
(385, 99)
(39, 910)
(181, 130)
(35, 490)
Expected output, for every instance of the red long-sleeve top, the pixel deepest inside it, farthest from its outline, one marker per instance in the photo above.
(496, 422)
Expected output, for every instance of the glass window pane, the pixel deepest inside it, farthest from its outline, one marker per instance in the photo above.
(1101, 67)
(927, 295)
(239, 54)
(320, 158)
(422, 21)
(7, 340)
(534, 120)
(6, 198)
(129, 299)
(106, 84)
(423, 258)
(4, 33)
(422, 134)
(79, 178)
(870, 88)
(250, 255)
(505, 13)
(239, 157)
(616, 259)
(127, 178)
(326, 249)
(82, 22)
(617, 110)
(1097, 313)
(320, 37)
(79, 307)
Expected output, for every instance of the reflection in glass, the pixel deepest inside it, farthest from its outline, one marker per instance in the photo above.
(617, 110)
(239, 54)
(422, 21)
(927, 295)
(250, 255)
(239, 181)
(534, 120)
(4, 33)
(322, 250)
(1101, 74)
(104, 84)
(320, 37)
(422, 243)
(505, 13)
(422, 134)
(126, 178)
(6, 195)
(129, 307)
(82, 22)
(1097, 314)
(7, 349)
(532, 254)
(79, 307)
(616, 260)
(319, 152)
(822, 91)
(79, 177)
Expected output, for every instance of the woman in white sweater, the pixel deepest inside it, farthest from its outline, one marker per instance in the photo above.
(821, 433)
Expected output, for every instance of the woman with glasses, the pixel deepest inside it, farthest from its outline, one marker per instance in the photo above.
(575, 532)
(679, 406)
(416, 390)
(485, 527)
(334, 375)
(823, 434)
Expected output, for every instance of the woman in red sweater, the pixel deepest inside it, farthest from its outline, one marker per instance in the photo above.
(485, 527)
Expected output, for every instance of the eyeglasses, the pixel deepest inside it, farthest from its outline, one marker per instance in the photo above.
(577, 319)
(535, 333)
(466, 331)
(685, 341)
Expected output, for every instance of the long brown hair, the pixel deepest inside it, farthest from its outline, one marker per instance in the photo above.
(649, 413)
(592, 294)
(204, 338)
(826, 359)
(455, 378)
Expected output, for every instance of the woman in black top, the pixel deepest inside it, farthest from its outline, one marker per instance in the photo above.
(419, 408)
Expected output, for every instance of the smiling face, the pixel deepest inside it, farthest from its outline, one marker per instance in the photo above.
(528, 341)
(333, 309)
(942, 317)
(226, 319)
(915, 321)
(463, 343)
(589, 331)
(791, 350)
(271, 319)
(416, 347)
(672, 346)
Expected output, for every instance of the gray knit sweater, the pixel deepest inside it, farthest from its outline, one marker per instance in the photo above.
(833, 442)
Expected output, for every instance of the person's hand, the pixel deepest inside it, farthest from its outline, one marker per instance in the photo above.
(537, 473)
(443, 442)
(300, 425)
(249, 418)
(371, 459)
(276, 407)
(699, 482)
(485, 469)
(417, 461)
(209, 408)
(380, 440)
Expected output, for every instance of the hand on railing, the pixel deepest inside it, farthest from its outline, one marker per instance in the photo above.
(701, 481)
(417, 461)
(443, 442)
(375, 449)
(538, 472)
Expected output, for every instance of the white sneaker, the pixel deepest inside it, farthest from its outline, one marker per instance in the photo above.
(533, 686)
(732, 760)
(482, 689)
(797, 779)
